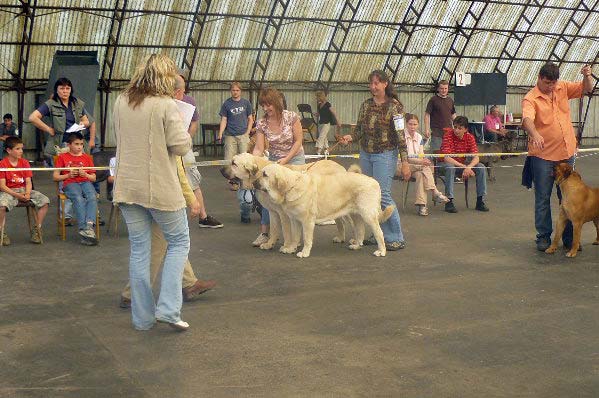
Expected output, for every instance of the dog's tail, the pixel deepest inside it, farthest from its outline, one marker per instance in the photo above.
(385, 214)
(354, 168)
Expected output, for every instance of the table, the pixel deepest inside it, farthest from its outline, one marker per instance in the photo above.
(212, 130)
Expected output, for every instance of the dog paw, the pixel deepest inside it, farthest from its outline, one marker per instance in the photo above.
(266, 246)
(337, 239)
(379, 253)
(287, 249)
(551, 250)
(354, 247)
(571, 253)
(302, 254)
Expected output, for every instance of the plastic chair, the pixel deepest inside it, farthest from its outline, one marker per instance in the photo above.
(307, 120)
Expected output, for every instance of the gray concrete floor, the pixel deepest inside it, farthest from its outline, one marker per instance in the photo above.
(468, 309)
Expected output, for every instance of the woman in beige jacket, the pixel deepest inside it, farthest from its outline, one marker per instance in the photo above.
(150, 134)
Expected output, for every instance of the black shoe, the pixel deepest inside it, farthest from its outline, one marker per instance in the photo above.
(125, 303)
(210, 222)
(450, 207)
(543, 243)
(481, 206)
(370, 241)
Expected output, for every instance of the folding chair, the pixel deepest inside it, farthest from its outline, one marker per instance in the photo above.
(308, 122)
(114, 212)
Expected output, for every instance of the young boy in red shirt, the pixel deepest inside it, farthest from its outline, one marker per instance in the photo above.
(77, 186)
(459, 140)
(15, 187)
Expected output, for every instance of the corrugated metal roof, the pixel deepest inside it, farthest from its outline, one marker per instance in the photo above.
(234, 30)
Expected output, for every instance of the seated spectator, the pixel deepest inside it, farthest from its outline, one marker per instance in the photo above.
(493, 126)
(15, 187)
(421, 168)
(459, 140)
(7, 129)
(77, 186)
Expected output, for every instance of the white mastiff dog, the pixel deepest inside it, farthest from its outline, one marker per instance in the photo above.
(246, 168)
(309, 198)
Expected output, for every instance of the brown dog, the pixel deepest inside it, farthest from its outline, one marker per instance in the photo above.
(580, 204)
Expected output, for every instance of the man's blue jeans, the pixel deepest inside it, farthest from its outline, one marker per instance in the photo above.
(382, 167)
(543, 180)
(480, 174)
(83, 196)
(176, 233)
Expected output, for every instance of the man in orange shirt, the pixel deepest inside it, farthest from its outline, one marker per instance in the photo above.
(551, 139)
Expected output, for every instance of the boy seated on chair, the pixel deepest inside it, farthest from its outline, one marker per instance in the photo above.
(15, 187)
(77, 186)
(459, 140)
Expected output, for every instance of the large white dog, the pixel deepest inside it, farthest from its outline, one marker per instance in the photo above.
(246, 168)
(309, 197)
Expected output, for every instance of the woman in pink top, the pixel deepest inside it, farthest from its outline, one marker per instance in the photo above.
(283, 131)
(421, 168)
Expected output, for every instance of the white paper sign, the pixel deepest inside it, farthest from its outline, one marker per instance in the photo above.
(462, 79)
(186, 110)
(76, 127)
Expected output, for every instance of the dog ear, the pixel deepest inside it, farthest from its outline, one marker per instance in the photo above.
(252, 169)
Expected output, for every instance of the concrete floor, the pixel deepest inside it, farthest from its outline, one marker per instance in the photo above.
(468, 309)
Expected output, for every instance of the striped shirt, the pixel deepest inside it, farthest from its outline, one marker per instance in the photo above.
(453, 144)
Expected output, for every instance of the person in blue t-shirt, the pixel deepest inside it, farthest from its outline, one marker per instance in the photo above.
(236, 120)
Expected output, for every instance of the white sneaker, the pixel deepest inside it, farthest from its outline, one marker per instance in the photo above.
(440, 198)
(326, 222)
(262, 238)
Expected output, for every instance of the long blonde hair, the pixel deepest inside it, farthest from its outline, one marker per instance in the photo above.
(321, 97)
(154, 77)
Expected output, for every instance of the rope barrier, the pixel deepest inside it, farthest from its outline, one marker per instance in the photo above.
(208, 163)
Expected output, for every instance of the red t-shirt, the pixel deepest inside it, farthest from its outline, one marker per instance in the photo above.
(15, 179)
(68, 160)
(453, 144)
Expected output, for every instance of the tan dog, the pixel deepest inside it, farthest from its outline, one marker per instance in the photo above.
(580, 204)
(246, 168)
(309, 198)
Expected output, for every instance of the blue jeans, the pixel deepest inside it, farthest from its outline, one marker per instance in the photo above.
(83, 196)
(480, 174)
(297, 159)
(381, 167)
(245, 198)
(176, 233)
(543, 180)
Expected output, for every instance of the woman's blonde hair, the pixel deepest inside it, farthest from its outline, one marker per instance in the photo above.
(272, 96)
(154, 77)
